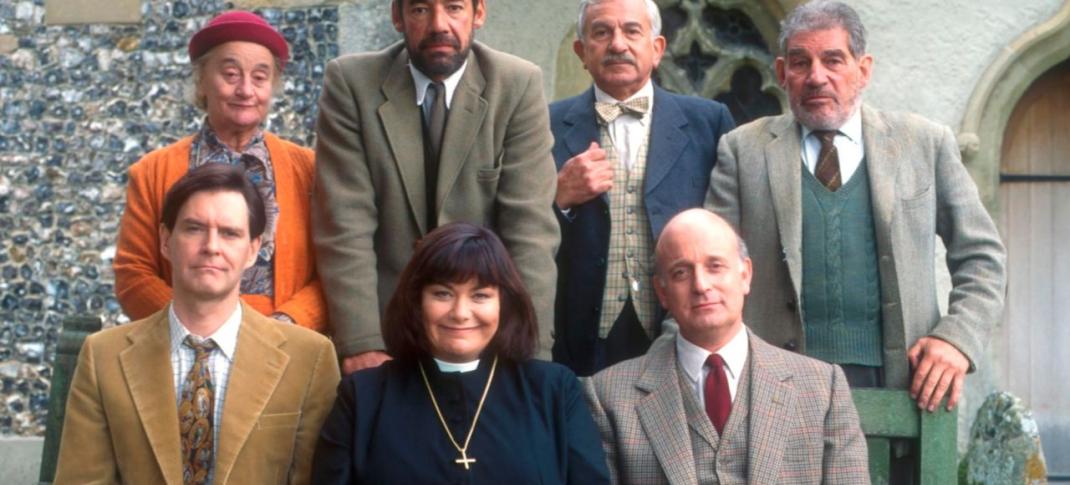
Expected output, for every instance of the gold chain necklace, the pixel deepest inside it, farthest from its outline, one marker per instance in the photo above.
(464, 460)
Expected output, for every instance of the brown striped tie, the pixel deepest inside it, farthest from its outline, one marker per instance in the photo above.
(195, 415)
(828, 161)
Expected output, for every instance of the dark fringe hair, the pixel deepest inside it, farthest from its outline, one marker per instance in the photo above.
(456, 253)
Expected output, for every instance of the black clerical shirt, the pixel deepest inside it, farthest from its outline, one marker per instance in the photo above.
(534, 428)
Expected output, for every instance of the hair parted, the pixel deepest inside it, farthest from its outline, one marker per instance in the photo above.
(651, 9)
(215, 177)
(455, 253)
(821, 15)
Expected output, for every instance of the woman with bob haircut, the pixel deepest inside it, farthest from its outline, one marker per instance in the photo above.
(462, 401)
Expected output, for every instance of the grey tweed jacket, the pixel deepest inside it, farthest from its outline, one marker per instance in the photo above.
(803, 426)
(919, 188)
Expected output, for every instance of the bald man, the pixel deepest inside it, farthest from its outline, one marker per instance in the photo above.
(713, 403)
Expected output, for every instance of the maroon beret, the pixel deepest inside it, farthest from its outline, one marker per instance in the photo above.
(238, 25)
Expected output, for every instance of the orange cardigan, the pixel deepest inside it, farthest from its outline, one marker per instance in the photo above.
(143, 276)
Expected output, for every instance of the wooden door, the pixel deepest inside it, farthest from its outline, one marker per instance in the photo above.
(1034, 341)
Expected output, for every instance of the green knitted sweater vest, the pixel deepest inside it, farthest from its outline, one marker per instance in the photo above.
(841, 294)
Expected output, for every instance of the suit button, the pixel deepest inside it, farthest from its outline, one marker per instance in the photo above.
(601, 261)
(792, 304)
(596, 309)
(791, 345)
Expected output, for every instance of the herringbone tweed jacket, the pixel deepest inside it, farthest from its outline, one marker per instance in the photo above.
(803, 427)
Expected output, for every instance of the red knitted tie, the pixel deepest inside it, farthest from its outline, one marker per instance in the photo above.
(718, 399)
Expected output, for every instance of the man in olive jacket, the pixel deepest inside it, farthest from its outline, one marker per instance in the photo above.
(380, 188)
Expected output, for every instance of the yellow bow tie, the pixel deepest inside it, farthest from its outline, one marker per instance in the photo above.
(609, 111)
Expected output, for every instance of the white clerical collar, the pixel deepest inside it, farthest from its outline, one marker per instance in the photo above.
(225, 337)
(852, 128)
(693, 358)
(422, 81)
(457, 367)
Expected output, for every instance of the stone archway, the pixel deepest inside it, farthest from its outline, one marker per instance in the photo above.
(1026, 81)
(998, 92)
(723, 50)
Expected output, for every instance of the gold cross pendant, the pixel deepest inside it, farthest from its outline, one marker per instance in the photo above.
(464, 460)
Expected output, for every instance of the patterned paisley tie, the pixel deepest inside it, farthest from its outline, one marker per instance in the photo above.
(607, 111)
(195, 415)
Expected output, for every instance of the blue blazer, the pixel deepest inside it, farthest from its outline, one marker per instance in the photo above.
(682, 151)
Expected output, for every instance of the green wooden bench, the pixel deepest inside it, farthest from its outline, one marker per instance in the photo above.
(73, 332)
(889, 414)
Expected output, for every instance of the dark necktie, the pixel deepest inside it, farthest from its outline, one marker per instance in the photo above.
(195, 415)
(828, 161)
(718, 399)
(436, 125)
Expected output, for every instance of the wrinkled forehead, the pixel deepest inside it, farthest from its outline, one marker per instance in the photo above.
(823, 41)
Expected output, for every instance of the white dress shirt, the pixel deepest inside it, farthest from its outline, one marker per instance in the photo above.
(692, 359)
(628, 133)
(422, 81)
(849, 147)
(219, 361)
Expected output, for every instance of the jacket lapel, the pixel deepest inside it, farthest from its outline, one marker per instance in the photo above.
(467, 110)
(146, 365)
(882, 152)
(772, 399)
(582, 124)
(662, 414)
(783, 161)
(257, 368)
(667, 139)
(582, 128)
(403, 125)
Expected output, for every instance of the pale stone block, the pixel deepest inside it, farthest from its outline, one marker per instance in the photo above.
(62, 12)
(8, 44)
(20, 459)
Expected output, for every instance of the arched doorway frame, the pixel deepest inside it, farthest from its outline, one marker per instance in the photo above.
(998, 92)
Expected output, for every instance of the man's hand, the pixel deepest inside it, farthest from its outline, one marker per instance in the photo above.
(583, 177)
(937, 366)
(365, 360)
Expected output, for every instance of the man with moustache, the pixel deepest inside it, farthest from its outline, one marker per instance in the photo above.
(430, 130)
(840, 203)
(629, 156)
(713, 403)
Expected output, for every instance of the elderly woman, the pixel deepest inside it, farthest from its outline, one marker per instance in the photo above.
(462, 401)
(237, 63)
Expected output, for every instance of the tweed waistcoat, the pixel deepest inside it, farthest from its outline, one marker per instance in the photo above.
(630, 261)
(841, 290)
(719, 460)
